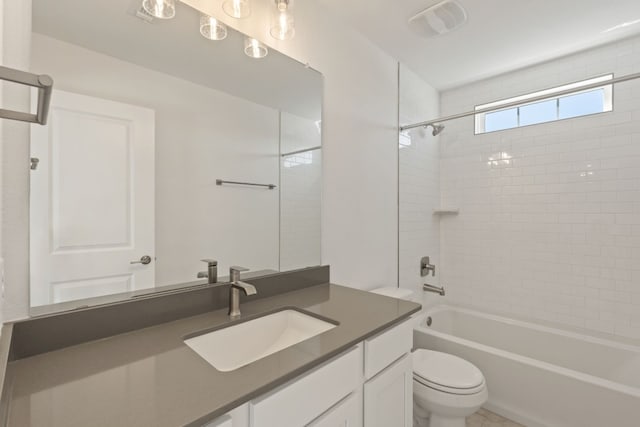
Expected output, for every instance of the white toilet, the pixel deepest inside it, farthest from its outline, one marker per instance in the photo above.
(446, 388)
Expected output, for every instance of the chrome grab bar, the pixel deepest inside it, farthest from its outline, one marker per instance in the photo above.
(269, 186)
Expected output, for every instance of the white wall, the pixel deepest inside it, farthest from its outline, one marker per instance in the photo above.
(16, 34)
(554, 233)
(201, 135)
(419, 229)
(2, 138)
(359, 220)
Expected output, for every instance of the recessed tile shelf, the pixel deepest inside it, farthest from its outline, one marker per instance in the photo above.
(446, 211)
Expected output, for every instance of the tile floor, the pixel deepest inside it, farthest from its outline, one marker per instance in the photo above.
(484, 418)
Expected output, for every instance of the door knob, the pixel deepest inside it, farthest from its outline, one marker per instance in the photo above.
(144, 260)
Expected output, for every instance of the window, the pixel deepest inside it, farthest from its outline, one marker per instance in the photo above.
(405, 139)
(304, 158)
(580, 103)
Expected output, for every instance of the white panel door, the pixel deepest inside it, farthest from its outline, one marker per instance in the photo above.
(92, 199)
(388, 397)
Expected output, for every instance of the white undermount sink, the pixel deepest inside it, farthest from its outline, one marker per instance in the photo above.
(235, 346)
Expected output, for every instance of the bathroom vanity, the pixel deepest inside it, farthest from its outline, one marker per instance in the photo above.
(127, 363)
(177, 155)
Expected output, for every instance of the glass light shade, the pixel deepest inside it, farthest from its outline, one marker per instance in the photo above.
(211, 28)
(254, 49)
(282, 24)
(162, 9)
(237, 8)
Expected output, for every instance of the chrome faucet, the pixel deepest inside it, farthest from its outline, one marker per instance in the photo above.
(234, 291)
(430, 288)
(212, 271)
(426, 267)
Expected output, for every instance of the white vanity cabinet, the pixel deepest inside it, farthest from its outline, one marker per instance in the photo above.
(388, 397)
(224, 421)
(369, 385)
(346, 413)
(388, 390)
(300, 402)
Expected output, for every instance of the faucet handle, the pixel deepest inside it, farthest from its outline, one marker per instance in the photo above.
(210, 262)
(234, 273)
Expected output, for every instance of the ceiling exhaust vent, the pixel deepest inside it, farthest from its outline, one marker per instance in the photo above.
(439, 19)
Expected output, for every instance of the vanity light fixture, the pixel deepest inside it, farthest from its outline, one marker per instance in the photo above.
(254, 49)
(237, 8)
(211, 28)
(282, 24)
(162, 9)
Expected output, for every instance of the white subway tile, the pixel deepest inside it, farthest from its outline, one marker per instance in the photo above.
(568, 199)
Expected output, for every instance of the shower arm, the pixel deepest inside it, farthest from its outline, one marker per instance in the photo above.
(517, 103)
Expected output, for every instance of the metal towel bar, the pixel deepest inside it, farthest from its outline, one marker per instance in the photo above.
(44, 84)
(269, 186)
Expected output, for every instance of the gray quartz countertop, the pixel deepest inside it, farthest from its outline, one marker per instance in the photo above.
(149, 377)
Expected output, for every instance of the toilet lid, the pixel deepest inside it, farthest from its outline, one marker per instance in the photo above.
(446, 372)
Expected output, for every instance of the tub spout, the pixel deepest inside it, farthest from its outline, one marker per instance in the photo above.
(429, 288)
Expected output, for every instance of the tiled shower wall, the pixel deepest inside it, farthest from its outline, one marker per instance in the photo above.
(549, 222)
(419, 194)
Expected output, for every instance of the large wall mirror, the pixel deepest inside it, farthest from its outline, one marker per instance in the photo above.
(147, 117)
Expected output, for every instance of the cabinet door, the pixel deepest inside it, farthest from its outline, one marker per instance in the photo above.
(346, 413)
(304, 399)
(238, 417)
(224, 421)
(383, 349)
(388, 397)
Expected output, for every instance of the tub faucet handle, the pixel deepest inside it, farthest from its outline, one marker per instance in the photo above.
(426, 267)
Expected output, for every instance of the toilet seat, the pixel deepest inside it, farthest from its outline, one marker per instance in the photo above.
(446, 373)
(449, 390)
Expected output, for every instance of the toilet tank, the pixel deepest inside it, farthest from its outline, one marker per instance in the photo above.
(400, 293)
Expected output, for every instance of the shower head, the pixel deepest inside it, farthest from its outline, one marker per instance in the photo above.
(436, 128)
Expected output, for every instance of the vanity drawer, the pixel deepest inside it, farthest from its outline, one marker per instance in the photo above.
(304, 399)
(388, 346)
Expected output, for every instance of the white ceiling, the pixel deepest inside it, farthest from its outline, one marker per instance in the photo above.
(500, 35)
(176, 47)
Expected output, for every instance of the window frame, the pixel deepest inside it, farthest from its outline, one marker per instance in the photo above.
(480, 118)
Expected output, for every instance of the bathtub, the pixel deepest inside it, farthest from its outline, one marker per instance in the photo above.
(539, 375)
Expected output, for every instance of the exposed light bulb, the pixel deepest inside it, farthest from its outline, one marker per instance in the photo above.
(282, 26)
(162, 9)
(254, 49)
(211, 28)
(237, 8)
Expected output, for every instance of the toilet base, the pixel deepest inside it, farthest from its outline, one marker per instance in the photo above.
(421, 418)
(432, 408)
(438, 421)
